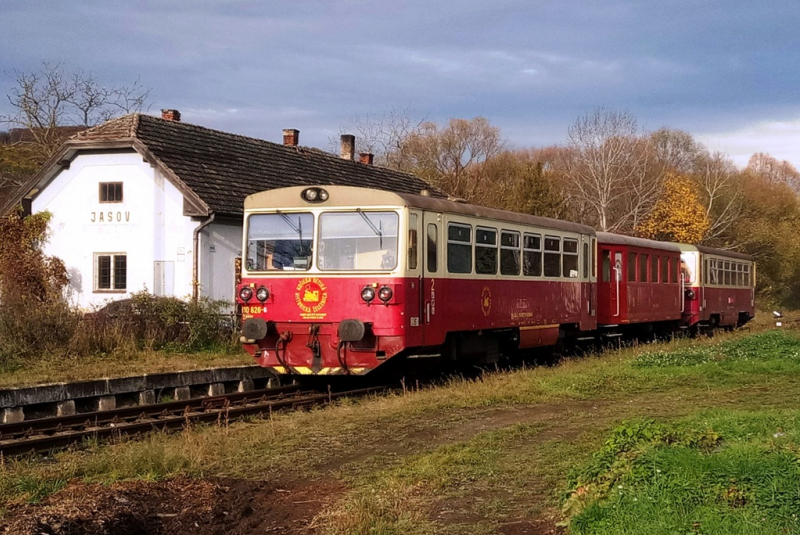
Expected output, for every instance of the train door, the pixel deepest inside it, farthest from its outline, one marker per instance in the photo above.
(432, 280)
(616, 281)
(589, 279)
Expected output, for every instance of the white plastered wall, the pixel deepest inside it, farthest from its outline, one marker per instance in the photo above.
(148, 226)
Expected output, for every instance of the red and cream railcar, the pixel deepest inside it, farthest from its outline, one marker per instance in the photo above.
(719, 287)
(337, 280)
(639, 287)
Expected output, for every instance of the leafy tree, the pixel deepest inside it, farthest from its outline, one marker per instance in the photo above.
(678, 215)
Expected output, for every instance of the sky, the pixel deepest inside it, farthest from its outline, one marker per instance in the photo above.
(727, 72)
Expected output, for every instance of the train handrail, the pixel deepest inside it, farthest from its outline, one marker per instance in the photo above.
(682, 288)
(617, 277)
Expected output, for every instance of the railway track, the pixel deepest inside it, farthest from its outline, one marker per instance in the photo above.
(48, 434)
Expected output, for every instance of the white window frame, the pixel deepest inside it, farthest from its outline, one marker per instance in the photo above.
(112, 278)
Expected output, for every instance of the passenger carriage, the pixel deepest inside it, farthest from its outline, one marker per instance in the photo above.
(337, 280)
(719, 287)
(639, 287)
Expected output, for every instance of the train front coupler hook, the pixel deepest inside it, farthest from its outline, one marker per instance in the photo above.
(284, 338)
(314, 346)
(342, 359)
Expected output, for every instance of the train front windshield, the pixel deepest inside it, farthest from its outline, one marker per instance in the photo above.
(358, 241)
(280, 241)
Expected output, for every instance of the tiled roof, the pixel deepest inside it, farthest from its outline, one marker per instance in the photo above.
(222, 168)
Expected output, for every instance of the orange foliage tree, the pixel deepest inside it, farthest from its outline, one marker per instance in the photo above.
(678, 215)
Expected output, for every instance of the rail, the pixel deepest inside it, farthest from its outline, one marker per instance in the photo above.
(49, 434)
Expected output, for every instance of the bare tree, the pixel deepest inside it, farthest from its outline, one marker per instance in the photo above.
(774, 171)
(676, 149)
(612, 169)
(383, 135)
(47, 100)
(720, 190)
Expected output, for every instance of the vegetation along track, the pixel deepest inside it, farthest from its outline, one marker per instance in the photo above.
(47, 434)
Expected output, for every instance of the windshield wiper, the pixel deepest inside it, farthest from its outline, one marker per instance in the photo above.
(378, 232)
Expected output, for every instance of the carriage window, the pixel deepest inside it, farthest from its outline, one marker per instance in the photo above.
(585, 260)
(412, 241)
(712, 272)
(643, 267)
(485, 251)
(279, 241)
(664, 269)
(727, 269)
(552, 256)
(747, 275)
(740, 269)
(532, 255)
(606, 255)
(459, 248)
(431, 248)
(358, 241)
(675, 270)
(570, 259)
(509, 253)
(594, 262)
(631, 267)
(706, 266)
(654, 268)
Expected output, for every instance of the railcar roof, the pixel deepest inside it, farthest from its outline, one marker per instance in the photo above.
(715, 251)
(619, 239)
(341, 196)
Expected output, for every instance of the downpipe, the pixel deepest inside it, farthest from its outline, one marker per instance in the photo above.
(196, 255)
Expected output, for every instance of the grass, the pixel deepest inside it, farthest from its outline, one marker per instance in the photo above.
(49, 369)
(474, 455)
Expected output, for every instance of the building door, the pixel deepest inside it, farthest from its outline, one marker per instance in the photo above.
(163, 278)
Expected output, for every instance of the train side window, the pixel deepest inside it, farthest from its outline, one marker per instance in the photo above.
(586, 260)
(676, 266)
(485, 251)
(712, 272)
(740, 274)
(552, 256)
(643, 259)
(727, 268)
(459, 248)
(747, 275)
(569, 261)
(664, 269)
(631, 267)
(654, 268)
(433, 261)
(412, 241)
(594, 260)
(606, 255)
(532, 255)
(509, 253)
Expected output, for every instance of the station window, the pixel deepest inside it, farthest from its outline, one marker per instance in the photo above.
(459, 248)
(631, 267)
(643, 259)
(664, 269)
(552, 256)
(431, 249)
(110, 191)
(110, 272)
(509, 253)
(532, 255)
(570, 258)
(485, 251)
(412, 241)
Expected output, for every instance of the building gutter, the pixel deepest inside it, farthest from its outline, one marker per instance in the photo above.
(196, 255)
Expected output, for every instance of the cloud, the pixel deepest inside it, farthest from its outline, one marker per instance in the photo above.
(780, 139)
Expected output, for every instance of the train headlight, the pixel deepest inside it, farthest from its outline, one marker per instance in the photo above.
(367, 294)
(385, 294)
(314, 195)
(262, 294)
(246, 294)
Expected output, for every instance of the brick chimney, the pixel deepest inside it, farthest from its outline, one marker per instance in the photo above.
(291, 137)
(348, 147)
(366, 158)
(171, 115)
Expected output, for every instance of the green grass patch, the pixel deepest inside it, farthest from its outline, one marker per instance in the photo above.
(720, 472)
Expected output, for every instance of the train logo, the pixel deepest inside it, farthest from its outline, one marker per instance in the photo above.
(486, 301)
(311, 295)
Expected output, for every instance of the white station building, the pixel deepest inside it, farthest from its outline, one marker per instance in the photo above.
(154, 204)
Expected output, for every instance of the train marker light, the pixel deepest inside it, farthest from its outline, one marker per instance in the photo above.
(262, 294)
(385, 294)
(246, 293)
(367, 294)
(323, 195)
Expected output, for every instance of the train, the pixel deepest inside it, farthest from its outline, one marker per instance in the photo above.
(340, 280)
